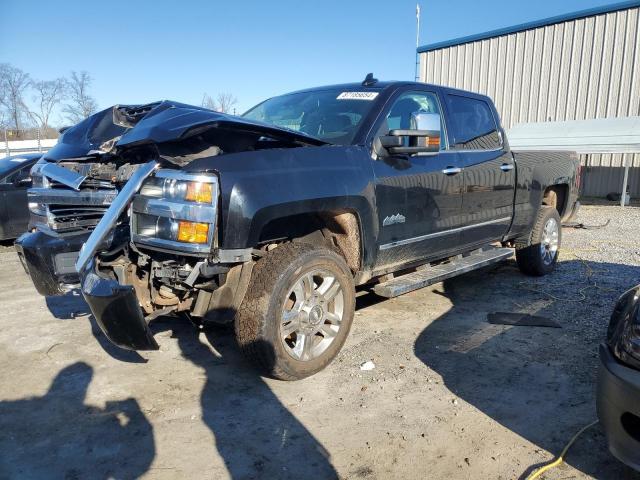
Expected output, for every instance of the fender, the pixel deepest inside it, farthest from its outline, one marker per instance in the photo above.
(261, 186)
(536, 171)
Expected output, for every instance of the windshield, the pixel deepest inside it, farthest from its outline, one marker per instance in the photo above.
(330, 115)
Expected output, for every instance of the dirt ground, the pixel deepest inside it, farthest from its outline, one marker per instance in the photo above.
(451, 396)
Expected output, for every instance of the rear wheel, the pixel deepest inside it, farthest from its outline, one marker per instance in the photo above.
(297, 311)
(539, 255)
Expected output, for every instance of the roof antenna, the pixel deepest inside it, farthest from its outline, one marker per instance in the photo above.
(369, 80)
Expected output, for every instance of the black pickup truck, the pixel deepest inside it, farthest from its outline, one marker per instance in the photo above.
(273, 219)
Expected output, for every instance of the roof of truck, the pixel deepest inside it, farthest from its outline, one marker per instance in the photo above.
(381, 86)
(378, 86)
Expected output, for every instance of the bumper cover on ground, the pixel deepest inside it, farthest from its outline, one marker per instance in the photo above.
(618, 401)
(49, 260)
(117, 311)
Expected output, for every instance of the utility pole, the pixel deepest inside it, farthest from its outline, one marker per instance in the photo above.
(417, 75)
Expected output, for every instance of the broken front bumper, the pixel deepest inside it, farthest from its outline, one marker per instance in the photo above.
(116, 310)
(49, 261)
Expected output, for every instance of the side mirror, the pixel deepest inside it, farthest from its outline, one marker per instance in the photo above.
(390, 141)
(423, 136)
(411, 142)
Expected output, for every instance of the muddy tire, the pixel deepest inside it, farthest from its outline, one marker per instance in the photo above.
(297, 311)
(538, 255)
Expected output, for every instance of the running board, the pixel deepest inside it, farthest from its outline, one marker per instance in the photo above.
(429, 275)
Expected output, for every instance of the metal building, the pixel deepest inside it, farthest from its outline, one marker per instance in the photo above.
(580, 66)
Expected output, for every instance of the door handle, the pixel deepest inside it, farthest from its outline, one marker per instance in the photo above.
(451, 170)
(506, 167)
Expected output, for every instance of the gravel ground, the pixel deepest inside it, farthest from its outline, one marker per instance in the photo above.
(451, 396)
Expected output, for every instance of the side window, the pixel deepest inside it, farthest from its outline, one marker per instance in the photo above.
(10, 178)
(472, 124)
(415, 111)
(25, 172)
(18, 175)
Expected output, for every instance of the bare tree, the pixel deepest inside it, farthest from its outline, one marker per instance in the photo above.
(226, 101)
(48, 94)
(81, 104)
(13, 85)
(208, 102)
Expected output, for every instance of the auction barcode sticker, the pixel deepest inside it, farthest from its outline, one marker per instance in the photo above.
(357, 96)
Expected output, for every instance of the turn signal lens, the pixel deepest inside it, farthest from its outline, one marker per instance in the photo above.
(199, 192)
(191, 232)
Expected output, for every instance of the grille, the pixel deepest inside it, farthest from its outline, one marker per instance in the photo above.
(63, 218)
(60, 209)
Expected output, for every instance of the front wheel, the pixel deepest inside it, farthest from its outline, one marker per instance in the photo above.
(297, 311)
(539, 255)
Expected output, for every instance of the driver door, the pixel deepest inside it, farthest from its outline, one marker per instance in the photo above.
(419, 196)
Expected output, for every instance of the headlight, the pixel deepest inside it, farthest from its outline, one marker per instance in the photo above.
(198, 191)
(176, 211)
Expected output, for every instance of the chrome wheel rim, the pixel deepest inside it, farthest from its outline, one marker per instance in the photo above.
(550, 241)
(312, 314)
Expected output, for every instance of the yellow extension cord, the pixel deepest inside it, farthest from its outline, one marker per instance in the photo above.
(560, 458)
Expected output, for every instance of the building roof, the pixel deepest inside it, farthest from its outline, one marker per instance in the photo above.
(530, 25)
(602, 135)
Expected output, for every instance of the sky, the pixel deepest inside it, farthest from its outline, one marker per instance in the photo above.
(138, 51)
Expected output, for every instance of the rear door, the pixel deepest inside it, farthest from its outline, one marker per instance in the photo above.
(418, 197)
(489, 173)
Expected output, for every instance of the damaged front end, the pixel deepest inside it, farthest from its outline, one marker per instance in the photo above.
(115, 305)
(172, 225)
(117, 216)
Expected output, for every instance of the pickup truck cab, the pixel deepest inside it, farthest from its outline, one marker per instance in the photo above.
(272, 220)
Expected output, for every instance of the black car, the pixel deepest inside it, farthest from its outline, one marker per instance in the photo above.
(619, 380)
(15, 179)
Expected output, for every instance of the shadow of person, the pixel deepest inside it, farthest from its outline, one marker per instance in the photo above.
(57, 435)
(537, 382)
(255, 434)
(70, 306)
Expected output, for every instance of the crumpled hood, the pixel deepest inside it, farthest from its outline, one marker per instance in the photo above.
(123, 126)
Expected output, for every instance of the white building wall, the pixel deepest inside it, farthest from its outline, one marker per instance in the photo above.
(574, 70)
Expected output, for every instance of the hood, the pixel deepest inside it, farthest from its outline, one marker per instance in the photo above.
(122, 126)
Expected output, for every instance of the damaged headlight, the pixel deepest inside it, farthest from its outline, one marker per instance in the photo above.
(623, 335)
(176, 211)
